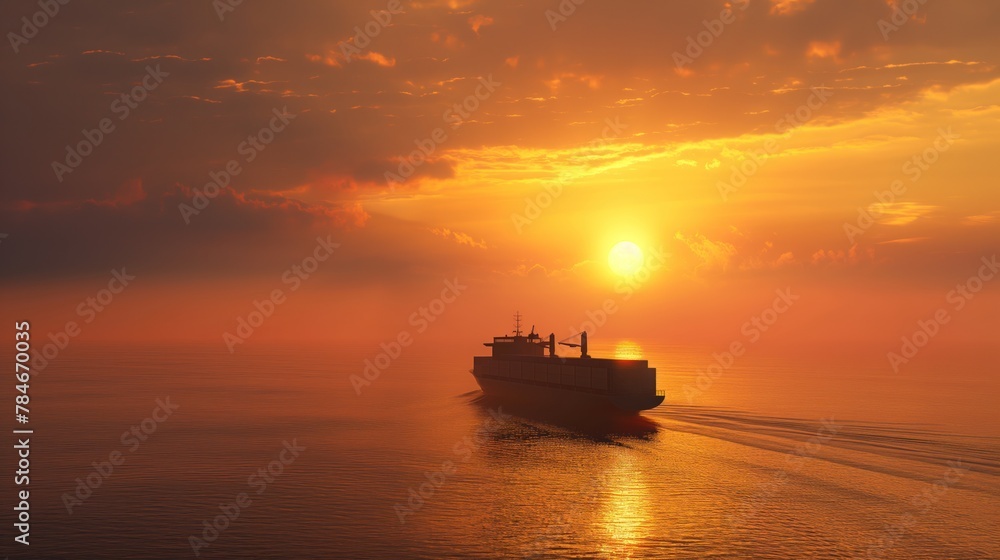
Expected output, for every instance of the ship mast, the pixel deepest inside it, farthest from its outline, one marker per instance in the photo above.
(517, 323)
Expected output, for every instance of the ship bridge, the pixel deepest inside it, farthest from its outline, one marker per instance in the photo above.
(518, 344)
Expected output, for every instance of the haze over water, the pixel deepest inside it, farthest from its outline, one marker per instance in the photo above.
(832, 469)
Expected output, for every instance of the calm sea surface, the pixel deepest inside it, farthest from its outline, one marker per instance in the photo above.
(791, 458)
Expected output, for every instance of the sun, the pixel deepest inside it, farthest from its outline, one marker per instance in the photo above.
(625, 258)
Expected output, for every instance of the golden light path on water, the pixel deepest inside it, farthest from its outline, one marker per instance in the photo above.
(628, 350)
(624, 519)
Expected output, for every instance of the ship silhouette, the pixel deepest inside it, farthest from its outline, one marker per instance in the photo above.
(521, 371)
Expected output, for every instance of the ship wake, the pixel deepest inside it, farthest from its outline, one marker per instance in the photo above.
(907, 450)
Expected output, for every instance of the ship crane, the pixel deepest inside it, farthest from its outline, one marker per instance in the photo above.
(582, 346)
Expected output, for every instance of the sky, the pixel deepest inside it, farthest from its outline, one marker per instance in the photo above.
(837, 150)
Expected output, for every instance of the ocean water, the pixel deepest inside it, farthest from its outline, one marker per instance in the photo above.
(774, 458)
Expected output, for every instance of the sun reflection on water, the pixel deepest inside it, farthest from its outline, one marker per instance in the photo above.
(628, 350)
(625, 517)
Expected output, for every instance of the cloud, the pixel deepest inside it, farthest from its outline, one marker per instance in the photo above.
(354, 116)
(786, 7)
(903, 213)
(146, 231)
(714, 256)
(458, 237)
(479, 21)
(852, 256)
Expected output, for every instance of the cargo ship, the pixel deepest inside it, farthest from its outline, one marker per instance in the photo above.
(525, 369)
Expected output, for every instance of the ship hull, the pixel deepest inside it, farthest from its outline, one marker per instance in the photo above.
(554, 397)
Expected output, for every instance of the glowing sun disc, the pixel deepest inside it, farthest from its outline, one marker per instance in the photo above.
(625, 258)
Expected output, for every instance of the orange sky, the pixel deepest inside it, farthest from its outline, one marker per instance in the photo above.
(551, 136)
